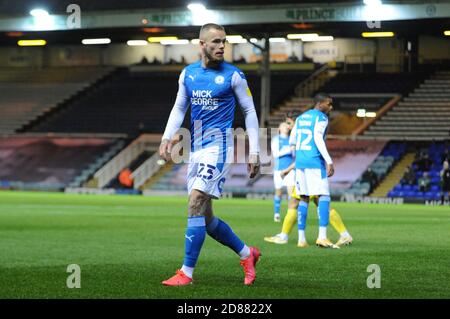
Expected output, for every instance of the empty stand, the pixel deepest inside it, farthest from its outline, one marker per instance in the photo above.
(100, 161)
(424, 114)
(128, 103)
(137, 101)
(51, 163)
(351, 91)
(373, 83)
(28, 93)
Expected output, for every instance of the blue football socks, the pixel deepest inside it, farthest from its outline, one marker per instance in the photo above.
(194, 238)
(276, 204)
(302, 214)
(324, 210)
(223, 233)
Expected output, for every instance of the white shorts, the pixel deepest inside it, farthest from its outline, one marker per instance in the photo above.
(311, 181)
(207, 170)
(288, 180)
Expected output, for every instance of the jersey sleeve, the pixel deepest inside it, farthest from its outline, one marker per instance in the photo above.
(178, 111)
(319, 132)
(293, 136)
(275, 146)
(245, 99)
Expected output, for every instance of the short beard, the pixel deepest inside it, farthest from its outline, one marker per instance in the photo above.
(211, 58)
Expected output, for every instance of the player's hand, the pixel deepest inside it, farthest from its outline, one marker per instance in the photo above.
(165, 149)
(283, 173)
(330, 170)
(253, 165)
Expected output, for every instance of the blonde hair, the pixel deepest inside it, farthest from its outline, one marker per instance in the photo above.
(206, 27)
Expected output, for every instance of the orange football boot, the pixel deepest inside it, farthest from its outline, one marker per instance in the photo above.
(249, 265)
(179, 279)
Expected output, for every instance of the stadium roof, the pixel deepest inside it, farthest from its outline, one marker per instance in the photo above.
(21, 7)
(58, 6)
(404, 28)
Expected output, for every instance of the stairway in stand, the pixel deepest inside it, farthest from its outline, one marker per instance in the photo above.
(394, 177)
(295, 103)
(301, 101)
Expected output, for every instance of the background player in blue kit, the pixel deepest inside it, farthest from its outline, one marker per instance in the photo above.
(211, 87)
(290, 219)
(282, 153)
(313, 166)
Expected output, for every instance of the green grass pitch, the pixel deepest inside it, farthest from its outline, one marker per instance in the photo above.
(127, 245)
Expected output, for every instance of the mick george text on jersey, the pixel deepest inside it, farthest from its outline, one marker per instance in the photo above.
(204, 99)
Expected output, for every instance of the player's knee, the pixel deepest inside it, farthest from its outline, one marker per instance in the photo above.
(198, 204)
(293, 203)
(209, 216)
(305, 199)
(195, 205)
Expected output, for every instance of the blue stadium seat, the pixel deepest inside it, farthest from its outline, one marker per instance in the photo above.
(434, 173)
(4, 184)
(436, 196)
(410, 194)
(418, 194)
(429, 195)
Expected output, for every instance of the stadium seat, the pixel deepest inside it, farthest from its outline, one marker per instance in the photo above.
(435, 188)
(407, 188)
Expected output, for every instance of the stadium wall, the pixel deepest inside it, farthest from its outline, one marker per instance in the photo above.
(73, 56)
(122, 54)
(278, 51)
(191, 52)
(350, 198)
(21, 57)
(386, 52)
(269, 196)
(341, 50)
(433, 48)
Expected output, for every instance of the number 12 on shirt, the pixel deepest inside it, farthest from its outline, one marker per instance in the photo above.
(303, 143)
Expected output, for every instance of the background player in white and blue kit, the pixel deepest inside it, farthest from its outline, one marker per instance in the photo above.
(313, 166)
(211, 87)
(282, 153)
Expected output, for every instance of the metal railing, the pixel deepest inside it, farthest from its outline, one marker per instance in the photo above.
(312, 82)
(109, 171)
(144, 172)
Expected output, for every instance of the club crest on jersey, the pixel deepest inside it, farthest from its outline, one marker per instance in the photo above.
(219, 79)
